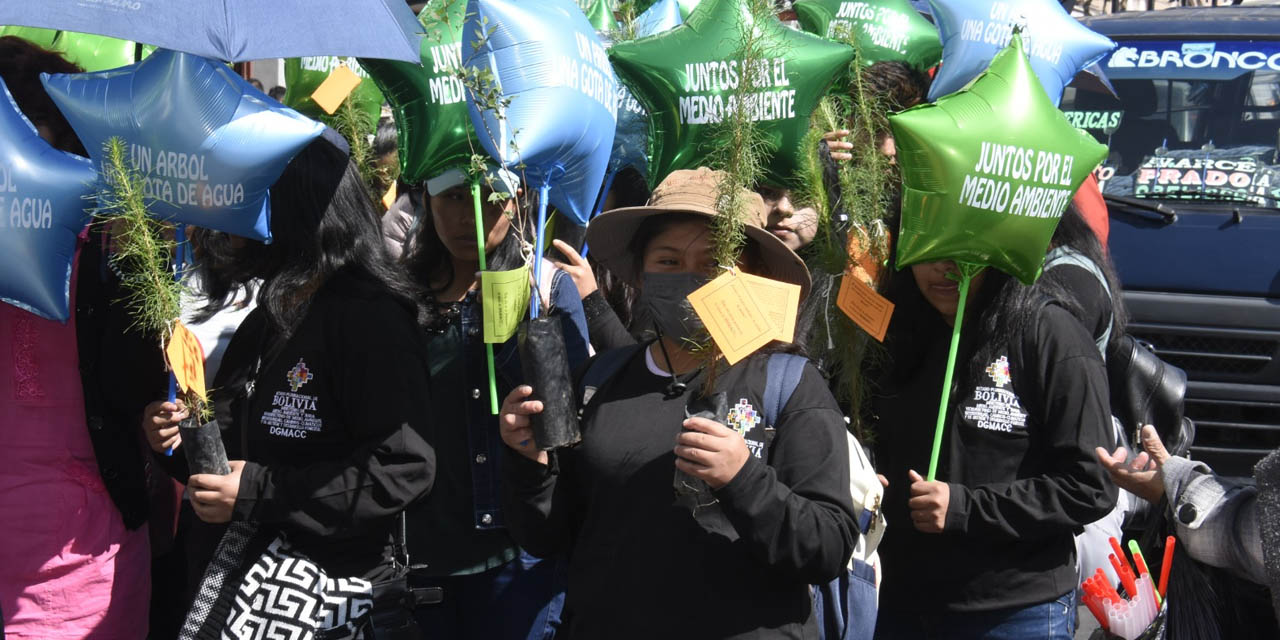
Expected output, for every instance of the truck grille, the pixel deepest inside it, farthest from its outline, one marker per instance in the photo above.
(1211, 357)
(1231, 435)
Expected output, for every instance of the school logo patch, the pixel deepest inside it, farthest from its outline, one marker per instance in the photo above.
(743, 417)
(299, 375)
(999, 371)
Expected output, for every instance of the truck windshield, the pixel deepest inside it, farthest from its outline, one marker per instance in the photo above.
(1192, 120)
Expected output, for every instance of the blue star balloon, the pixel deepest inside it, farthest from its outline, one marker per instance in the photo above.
(208, 144)
(559, 122)
(43, 200)
(974, 31)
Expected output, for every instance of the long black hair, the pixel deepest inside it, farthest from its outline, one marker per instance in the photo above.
(429, 261)
(322, 222)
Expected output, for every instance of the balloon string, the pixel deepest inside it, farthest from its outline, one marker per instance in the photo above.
(967, 271)
(179, 266)
(488, 346)
(544, 193)
(604, 194)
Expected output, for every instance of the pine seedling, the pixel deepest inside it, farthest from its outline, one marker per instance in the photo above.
(143, 248)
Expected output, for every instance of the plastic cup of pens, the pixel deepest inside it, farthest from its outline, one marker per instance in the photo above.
(1136, 610)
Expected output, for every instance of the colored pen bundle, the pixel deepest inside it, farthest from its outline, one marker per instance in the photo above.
(1127, 618)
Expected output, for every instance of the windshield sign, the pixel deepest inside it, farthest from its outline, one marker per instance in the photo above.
(1237, 175)
(1223, 59)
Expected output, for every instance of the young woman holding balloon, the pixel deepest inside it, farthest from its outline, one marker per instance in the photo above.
(990, 552)
(318, 398)
(458, 540)
(755, 513)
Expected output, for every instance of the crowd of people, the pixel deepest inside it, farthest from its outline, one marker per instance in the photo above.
(701, 501)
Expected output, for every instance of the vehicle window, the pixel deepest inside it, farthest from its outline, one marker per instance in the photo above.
(1188, 121)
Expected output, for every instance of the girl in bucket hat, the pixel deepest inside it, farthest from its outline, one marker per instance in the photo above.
(756, 511)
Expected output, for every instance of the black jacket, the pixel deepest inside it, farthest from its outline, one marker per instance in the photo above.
(333, 416)
(121, 370)
(642, 564)
(1018, 456)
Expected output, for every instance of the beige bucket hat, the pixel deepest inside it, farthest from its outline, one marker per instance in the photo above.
(690, 191)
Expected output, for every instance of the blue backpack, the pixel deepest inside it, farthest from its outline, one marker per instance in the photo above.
(845, 608)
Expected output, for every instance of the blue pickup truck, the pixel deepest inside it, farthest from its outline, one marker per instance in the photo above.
(1192, 184)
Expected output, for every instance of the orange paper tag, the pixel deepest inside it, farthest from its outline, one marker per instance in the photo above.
(186, 359)
(866, 258)
(732, 316)
(340, 83)
(864, 306)
(389, 198)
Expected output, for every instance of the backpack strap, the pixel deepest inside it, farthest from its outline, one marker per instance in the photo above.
(1067, 255)
(601, 369)
(782, 376)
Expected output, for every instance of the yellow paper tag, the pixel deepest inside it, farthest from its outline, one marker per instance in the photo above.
(506, 298)
(186, 359)
(389, 198)
(733, 316)
(779, 301)
(864, 306)
(340, 83)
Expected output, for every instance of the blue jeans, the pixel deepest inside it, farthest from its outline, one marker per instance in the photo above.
(520, 600)
(1053, 620)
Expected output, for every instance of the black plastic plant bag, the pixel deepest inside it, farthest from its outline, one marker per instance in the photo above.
(202, 445)
(545, 364)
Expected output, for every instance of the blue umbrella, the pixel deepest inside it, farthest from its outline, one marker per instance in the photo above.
(238, 30)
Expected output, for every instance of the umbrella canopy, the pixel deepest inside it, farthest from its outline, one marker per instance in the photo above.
(237, 30)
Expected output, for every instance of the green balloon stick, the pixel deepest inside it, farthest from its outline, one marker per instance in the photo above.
(967, 271)
(488, 346)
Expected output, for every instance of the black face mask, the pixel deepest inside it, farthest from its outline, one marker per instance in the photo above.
(663, 301)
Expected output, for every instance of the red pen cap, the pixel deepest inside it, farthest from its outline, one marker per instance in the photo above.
(1119, 551)
(1095, 607)
(1167, 564)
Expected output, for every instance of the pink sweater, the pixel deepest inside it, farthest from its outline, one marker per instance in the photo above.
(68, 566)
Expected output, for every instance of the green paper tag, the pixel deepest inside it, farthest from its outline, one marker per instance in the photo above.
(505, 299)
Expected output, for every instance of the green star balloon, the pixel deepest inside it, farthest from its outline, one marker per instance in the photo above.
(882, 29)
(302, 76)
(89, 51)
(43, 38)
(988, 171)
(599, 14)
(429, 102)
(687, 77)
(99, 53)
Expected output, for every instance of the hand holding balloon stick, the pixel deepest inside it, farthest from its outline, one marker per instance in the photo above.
(967, 271)
(513, 59)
